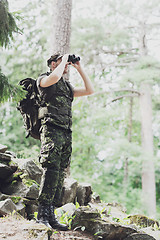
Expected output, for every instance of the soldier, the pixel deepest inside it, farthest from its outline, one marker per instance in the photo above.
(55, 133)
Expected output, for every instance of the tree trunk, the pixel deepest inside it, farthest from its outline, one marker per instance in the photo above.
(130, 120)
(61, 26)
(125, 179)
(148, 172)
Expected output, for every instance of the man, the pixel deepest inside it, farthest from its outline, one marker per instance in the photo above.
(55, 133)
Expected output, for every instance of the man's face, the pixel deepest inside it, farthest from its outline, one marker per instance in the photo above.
(55, 64)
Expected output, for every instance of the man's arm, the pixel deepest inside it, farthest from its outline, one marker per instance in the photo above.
(56, 74)
(88, 87)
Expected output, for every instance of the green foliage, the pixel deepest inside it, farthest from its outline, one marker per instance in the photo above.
(28, 182)
(7, 24)
(35, 215)
(77, 205)
(100, 149)
(65, 218)
(7, 28)
(13, 133)
(146, 70)
(25, 58)
(17, 175)
(15, 199)
(9, 91)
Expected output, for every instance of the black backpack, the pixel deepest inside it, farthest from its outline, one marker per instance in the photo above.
(29, 107)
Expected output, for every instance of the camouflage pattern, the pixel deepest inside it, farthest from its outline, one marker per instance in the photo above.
(55, 136)
(57, 102)
(56, 148)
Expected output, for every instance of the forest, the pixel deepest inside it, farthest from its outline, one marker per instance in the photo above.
(116, 131)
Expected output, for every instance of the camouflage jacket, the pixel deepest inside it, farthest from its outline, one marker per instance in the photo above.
(56, 102)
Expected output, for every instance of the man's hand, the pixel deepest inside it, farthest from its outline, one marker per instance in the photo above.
(77, 65)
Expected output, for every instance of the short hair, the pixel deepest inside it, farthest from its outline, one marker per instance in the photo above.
(54, 58)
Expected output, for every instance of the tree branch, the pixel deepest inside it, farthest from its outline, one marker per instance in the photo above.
(122, 96)
(118, 90)
(120, 52)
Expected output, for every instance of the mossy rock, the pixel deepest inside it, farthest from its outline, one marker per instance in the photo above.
(90, 220)
(143, 221)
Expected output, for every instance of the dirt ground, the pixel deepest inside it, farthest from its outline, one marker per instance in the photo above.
(17, 228)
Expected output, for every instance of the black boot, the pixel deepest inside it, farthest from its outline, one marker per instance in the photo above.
(43, 215)
(54, 222)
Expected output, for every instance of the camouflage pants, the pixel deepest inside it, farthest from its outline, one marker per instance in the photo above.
(56, 148)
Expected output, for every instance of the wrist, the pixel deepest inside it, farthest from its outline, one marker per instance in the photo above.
(80, 69)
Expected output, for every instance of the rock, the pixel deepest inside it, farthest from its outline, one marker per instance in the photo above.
(5, 157)
(142, 220)
(33, 192)
(117, 205)
(31, 208)
(154, 232)
(29, 166)
(95, 198)
(3, 196)
(17, 188)
(68, 208)
(84, 192)
(115, 211)
(6, 207)
(11, 153)
(33, 170)
(20, 208)
(3, 148)
(91, 221)
(69, 190)
(139, 236)
(14, 177)
(13, 167)
(6, 171)
(20, 189)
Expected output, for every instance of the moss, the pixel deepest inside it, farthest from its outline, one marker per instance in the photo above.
(24, 176)
(29, 182)
(142, 221)
(12, 163)
(15, 199)
(17, 175)
(14, 182)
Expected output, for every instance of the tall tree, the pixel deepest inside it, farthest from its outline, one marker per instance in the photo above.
(7, 27)
(148, 171)
(61, 26)
(7, 24)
